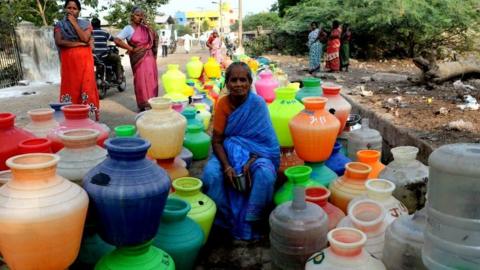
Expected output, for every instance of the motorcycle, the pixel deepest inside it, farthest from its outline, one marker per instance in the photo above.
(105, 75)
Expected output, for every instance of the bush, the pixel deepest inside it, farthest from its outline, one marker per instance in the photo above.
(383, 28)
(267, 20)
(258, 46)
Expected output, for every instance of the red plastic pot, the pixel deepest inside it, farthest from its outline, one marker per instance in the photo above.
(10, 136)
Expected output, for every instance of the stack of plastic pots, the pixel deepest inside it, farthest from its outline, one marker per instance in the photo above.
(314, 131)
(76, 116)
(282, 110)
(128, 194)
(165, 129)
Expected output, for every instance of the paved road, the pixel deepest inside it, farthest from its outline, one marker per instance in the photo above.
(117, 108)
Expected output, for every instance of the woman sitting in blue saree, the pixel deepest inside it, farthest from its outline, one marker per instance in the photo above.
(240, 176)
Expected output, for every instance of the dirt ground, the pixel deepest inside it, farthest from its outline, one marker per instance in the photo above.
(425, 110)
(411, 105)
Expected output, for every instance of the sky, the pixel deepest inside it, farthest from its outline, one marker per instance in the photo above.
(249, 6)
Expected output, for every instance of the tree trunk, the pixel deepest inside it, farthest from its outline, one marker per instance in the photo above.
(441, 72)
(41, 10)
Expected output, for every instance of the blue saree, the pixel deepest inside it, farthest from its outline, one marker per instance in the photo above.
(248, 131)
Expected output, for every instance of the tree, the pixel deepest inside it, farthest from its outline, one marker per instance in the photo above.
(39, 12)
(385, 28)
(284, 4)
(183, 30)
(204, 27)
(267, 20)
(120, 11)
(274, 7)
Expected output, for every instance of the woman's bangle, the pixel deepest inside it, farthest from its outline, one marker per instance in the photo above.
(228, 169)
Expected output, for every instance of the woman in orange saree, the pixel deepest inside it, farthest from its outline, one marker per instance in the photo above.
(73, 38)
(333, 48)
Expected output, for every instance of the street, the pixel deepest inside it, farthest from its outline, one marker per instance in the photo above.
(115, 109)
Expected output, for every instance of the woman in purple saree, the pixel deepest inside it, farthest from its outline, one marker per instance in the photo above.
(142, 48)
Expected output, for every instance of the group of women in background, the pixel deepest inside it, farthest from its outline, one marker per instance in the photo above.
(73, 37)
(335, 44)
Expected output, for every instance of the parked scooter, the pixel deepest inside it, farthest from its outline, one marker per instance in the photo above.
(105, 75)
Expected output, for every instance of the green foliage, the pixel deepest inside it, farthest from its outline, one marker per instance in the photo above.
(389, 27)
(15, 11)
(284, 4)
(258, 46)
(120, 11)
(274, 7)
(204, 27)
(183, 30)
(268, 20)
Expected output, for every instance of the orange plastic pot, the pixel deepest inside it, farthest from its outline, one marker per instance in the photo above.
(350, 185)
(175, 167)
(336, 104)
(372, 158)
(314, 130)
(41, 215)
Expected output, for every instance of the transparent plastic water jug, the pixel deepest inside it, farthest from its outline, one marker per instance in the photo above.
(404, 242)
(452, 236)
(409, 175)
(363, 138)
(297, 230)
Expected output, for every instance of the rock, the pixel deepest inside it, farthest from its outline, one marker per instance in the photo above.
(366, 93)
(24, 82)
(459, 85)
(326, 76)
(389, 77)
(442, 110)
(365, 79)
(460, 125)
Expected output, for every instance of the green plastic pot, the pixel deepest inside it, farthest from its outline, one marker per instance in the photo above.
(125, 131)
(141, 257)
(173, 80)
(297, 176)
(311, 88)
(203, 208)
(179, 235)
(321, 173)
(197, 141)
(194, 67)
(282, 110)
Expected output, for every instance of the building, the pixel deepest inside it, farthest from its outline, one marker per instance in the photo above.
(195, 19)
(180, 18)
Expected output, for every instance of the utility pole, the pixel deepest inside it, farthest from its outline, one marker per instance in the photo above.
(221, 17)
(240, 28)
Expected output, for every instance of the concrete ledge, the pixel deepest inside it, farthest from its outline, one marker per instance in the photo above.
(393, 135)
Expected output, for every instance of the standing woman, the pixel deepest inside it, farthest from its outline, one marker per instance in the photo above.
(73, 37)
(333, 48)
(216, 47)
(141, 46)
(345, 48)
(315, 48)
